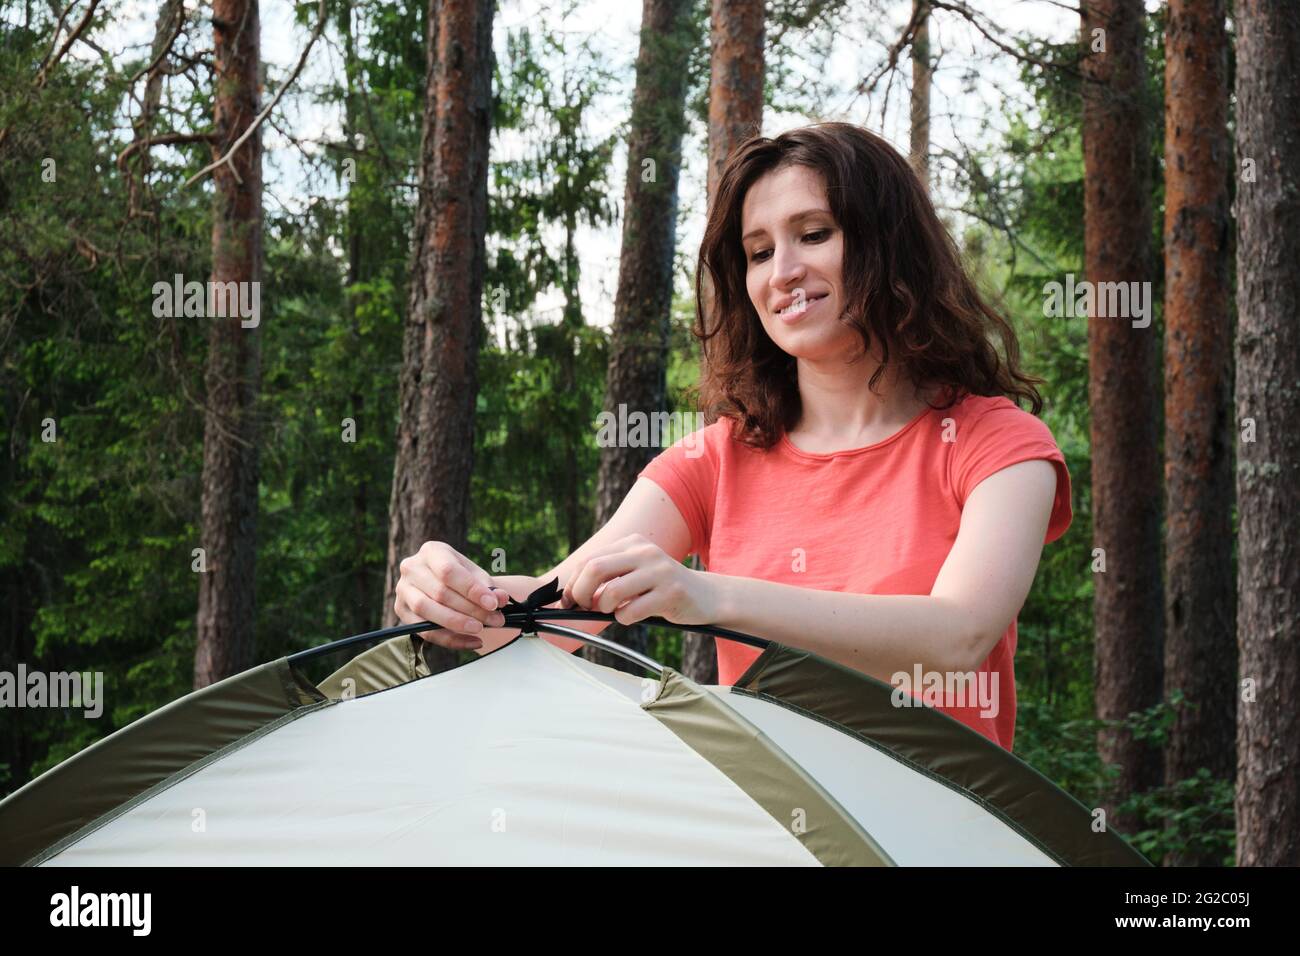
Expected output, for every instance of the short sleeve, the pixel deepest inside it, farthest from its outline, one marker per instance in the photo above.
(1001, 435)
(687, 471)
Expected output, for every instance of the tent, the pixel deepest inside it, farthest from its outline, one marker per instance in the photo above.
(530, 755)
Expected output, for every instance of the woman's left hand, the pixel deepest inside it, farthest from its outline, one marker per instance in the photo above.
(637, 579)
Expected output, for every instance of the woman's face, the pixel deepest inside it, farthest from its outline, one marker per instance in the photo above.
(793, 251)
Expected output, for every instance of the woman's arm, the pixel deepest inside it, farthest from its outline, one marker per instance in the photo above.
(978, 592)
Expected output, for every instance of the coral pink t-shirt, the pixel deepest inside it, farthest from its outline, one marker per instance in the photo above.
(874, 520)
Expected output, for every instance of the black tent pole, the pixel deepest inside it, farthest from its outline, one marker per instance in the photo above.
(527, 619)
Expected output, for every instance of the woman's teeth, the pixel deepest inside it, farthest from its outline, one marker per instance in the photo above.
(798, 306)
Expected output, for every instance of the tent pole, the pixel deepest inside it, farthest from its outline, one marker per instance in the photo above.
(614, 647)
(525, 619)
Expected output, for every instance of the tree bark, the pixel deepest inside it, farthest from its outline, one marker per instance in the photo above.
(736, 83)
(226, 614)
(570, 336)
(922, 72)
(1200, 614)
(637, 372)
(736, 72)
(1268, 470)
(1123, 392)
(439, 378)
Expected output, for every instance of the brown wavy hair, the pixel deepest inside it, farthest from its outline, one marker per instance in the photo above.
(900, 264)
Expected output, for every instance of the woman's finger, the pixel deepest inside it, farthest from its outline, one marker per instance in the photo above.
(473, 582)
(637, 609)
(624, 588)
(424, 580)
(455, 571)
(597, 571)
(424, 608)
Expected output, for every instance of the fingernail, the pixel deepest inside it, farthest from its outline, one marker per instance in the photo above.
(489, 601)
(475, 644)
(473, 627)
(498, 619)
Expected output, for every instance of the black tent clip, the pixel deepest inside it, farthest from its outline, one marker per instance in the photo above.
(521, 613)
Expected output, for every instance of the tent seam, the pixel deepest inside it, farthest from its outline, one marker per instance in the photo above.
(757, 736)
(420, 677)
(919, 768)
(645, 707)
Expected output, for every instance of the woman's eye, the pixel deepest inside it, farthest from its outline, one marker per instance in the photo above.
(819, 235)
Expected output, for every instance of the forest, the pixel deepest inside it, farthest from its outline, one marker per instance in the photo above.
(458, 236)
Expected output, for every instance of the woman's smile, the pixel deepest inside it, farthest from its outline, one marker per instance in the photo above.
(800, 308)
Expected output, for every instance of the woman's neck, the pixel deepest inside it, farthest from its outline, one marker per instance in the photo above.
(840, 411)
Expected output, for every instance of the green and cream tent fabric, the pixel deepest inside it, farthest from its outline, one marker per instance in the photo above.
(533, 756)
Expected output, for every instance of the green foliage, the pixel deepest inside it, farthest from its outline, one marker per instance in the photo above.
(542, 378)
(100, 424)
(1192, 819)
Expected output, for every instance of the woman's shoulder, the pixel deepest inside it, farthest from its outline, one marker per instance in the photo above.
(970, 407)
(994, 415)
(992, 433)
(714, 436)
(717, 436)
(984, 432)
(698, 447)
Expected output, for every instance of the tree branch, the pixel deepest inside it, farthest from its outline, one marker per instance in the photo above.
(895, 50)
(257, 121)
(166, 139)
(973, 19)
(48, 64)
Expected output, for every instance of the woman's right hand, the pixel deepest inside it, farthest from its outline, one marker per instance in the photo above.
(441, 585)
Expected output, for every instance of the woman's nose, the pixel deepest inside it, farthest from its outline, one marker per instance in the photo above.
(787, 266)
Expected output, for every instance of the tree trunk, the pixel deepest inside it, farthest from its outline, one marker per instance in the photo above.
(638, 358)
(1268, 470)
(1123, 392)
(736, 73)
(736, 82)
(922, 72)
(1200, 613)
(226, 615)
(570, 336)
(362, 609)
(439, 378)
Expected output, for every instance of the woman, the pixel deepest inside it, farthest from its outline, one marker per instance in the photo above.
(867, 489)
